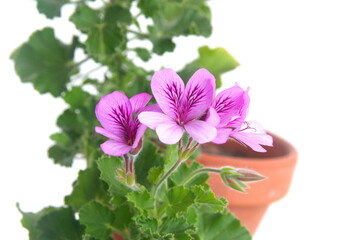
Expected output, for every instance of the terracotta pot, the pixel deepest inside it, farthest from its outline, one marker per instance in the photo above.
(277, 164)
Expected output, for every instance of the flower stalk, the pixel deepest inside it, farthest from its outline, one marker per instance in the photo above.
(199, 171)
(127, 175)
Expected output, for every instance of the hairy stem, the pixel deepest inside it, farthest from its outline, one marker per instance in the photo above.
(139, 34)
(199, 171)
(165, 176)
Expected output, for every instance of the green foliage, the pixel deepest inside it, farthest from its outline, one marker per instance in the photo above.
(46, 62)
(220, 226)
(161, 205)
(87, 187)
(97, 220)
(147, 159)
(218, 61)
(205, 198)
(50, 8)
(184, 170)
(142, 200)
(178, 199)
(52, 223)
(107, 166)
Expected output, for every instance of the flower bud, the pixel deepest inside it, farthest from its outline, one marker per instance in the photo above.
(248, 175)
(235, 178)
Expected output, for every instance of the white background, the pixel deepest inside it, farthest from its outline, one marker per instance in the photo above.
(301, 60)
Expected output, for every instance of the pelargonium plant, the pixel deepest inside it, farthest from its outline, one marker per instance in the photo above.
(175, 202)
(137, 184)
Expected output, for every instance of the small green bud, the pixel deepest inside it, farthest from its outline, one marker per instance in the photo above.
(235, 178)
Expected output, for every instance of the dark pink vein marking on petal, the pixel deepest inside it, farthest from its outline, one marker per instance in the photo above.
(173, 95)
(121, 117)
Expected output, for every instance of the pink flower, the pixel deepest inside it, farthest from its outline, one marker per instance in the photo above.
(115, 113)
(182, 107)
(231, 107)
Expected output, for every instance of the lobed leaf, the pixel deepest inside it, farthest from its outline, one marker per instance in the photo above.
(214, 226)
(146, 160)
(97, 220)
(141, 200)
(207, 199)
(85, 18)
(59, 224)
(107, 166)
(45, 61)
(87, 187)
(218, 61)
(30, 220)
(50, 8)
(178, 199)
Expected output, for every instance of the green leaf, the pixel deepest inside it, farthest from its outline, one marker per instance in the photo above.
(123, 216)
(59, 224)
(97, 219)
(149, 8)
(68, 121)
(141, 200)
(155, 174)
(217, 61)
(147, 159)
(85, 18)
(147, 225)
(87, 187)
(77, 98)
(45, 62)
(177, 226)
(162, 45)
(206, 198)
(185, 170)
(143, 53)
(106, 37)
(178, 199)
(107, 166)
(62, 139)
(116, 13)
(61, 155)
(220, 226)
(50, 8)
(171, 156)
(30, 220)
(102, 41)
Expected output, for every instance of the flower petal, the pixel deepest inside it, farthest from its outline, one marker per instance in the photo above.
(167, 88)
(222, 135)
(212, 117)
(254, 135)
(139, 134)
(152, 108)
(169, 133)
(200, 131)
(253, 140)
(199, 94)
(115, 148)
(139, 101)
(245, 104)
(107, 134)
(153, 119)
(228, 103)
(114, 113)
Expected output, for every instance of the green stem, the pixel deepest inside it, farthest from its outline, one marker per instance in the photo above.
(140, 34)
(165, 176)
(199, 171)
(82, 61)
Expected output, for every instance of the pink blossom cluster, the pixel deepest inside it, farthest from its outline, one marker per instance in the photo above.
(193, 109)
